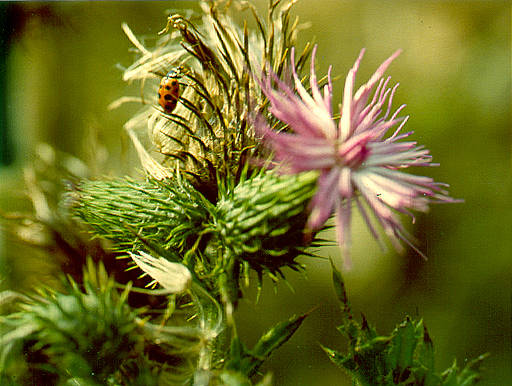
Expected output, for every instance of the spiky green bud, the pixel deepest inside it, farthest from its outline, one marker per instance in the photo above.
(258, 223)
(261, 221)
(165, 213)
(85, 334)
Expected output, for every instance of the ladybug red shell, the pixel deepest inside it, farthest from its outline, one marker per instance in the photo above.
(169, 91)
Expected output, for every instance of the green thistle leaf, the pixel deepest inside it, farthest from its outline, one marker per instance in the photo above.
(403, 344)
(247, 362)
(425, 352)
(339, 359)
(276, 336)
(469, 375)
(406, 357)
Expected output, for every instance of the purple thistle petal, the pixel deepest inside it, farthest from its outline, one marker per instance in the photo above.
(390, 101)
(346, 110)
(345, 183)
(365, 89)
(342, 218)
(328, 92)
(322, 204)
(316, 105)
(357, 159)
(368, 222)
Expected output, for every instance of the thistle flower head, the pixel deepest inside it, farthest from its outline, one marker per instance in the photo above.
(208, 132)
(358, 161)
(57, 330)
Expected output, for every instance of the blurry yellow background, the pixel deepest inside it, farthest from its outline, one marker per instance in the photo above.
(63, 70)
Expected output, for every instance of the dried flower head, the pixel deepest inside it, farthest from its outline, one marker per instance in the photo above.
(358, 162)
(208, 133)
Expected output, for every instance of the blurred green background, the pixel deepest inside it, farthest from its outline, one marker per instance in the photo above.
(60, 71)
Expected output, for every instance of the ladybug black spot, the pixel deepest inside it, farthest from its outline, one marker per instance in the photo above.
(169, 97)
(159, 96)
(174, 82)
(169, 107)
(167, 87)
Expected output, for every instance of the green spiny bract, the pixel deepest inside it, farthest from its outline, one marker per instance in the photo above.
(169, 214)
(84, 334)
(258, 224)
(261, 221)
(405, 357)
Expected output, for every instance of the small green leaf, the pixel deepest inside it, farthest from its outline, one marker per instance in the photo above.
(403, 343)
(470, 373)
(369, 331)
(277, 335)
(273, 339)
(450, 375)
(340, 360)
(377, 344)
(339, 289)
(370, 358)
(239, 356)
(426, 350)
(237, 348)
(424, 369)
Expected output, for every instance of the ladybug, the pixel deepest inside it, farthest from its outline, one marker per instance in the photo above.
(169, 90)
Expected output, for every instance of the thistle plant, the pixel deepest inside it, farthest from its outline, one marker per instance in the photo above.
(405, 357)
(356, 160)
(241, 172)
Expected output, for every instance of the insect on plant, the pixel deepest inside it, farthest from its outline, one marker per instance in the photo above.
(169, 89)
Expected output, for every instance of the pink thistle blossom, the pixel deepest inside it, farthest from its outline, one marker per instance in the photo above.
(357, 159)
